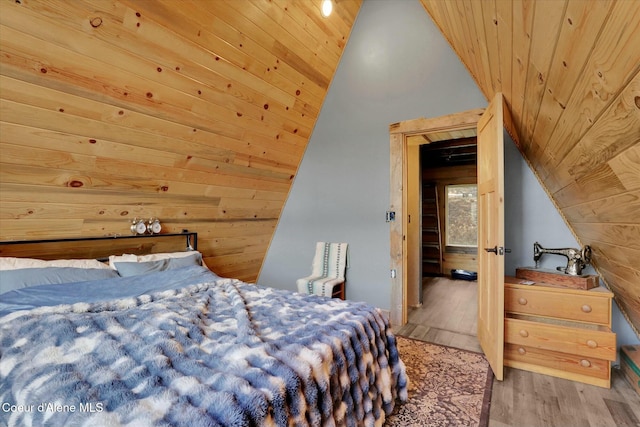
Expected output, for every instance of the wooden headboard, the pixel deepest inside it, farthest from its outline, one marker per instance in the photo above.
(99, 247)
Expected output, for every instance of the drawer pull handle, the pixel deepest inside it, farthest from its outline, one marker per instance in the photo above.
(592, 344)
(522, 301)
(586, 308)
(524, 333)
(522, 350)
(585, 363)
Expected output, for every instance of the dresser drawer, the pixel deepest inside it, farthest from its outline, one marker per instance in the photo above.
(563, 365)
(589, 341)
(585, 306)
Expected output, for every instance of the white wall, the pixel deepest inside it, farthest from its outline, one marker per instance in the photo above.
(530, 216)
(396, 66)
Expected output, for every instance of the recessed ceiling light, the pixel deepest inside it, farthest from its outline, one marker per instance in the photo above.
(327, 7)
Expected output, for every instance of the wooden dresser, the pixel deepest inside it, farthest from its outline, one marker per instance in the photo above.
(561, 332)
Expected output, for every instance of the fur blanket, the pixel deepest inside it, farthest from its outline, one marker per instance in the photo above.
(224, 353)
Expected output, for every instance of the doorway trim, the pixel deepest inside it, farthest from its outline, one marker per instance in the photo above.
(399, 134)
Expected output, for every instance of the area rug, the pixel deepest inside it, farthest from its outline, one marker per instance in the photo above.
(448, 387)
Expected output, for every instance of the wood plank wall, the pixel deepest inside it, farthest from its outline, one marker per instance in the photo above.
(195, 112)
(570, 72)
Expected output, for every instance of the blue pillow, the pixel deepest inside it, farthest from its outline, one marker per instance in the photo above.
(25, 277)
(126, 269)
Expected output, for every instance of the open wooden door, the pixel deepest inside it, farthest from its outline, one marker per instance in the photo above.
(491, 234)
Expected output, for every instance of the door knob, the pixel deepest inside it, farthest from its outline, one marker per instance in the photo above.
(493, 249)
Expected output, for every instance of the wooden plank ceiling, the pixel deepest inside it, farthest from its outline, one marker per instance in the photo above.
(195, 112)
(570, 72)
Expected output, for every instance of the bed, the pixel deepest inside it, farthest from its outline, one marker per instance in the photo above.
(160, 340)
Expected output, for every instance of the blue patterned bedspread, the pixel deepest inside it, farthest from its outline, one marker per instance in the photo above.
(215, 353)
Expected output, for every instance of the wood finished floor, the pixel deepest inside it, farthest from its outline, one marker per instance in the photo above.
(523, 399)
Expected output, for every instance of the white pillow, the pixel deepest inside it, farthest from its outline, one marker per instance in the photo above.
(146, 258)
(11, 263)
